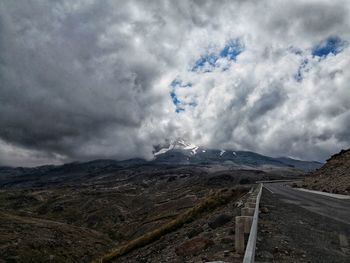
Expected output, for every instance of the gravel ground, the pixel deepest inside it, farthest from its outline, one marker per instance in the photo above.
(289, 233)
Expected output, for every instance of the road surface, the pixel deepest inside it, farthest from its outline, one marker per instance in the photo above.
(297, 226)
(334, 208)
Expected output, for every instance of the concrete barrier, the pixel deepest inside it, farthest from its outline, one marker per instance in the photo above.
(239, 235)
(246, 211)
(247, 223)
(249, 255)
(250, 205)
(243, 225)
(252, 199)
(248, 220)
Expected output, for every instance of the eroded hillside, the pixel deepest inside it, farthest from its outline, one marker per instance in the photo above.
(78, 215)
(333, 177)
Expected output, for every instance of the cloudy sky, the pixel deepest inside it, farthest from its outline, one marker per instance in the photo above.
(90, 79)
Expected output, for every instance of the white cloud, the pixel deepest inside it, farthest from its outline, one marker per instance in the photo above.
(88, 80)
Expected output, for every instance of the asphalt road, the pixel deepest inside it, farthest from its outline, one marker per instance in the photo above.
(334, 208)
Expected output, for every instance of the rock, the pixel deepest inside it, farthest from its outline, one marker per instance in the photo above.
(193, 246)
(238, 203)
(171, 178)
(93, 220)
(205, 259)
(209, 235)
(266, 255)
(58, 208)
(227, 240)
(231, 231)
(194, 232)
(220, 221)
(264, 210)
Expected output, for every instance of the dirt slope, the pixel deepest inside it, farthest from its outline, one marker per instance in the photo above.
(333, 177)
(26, 239)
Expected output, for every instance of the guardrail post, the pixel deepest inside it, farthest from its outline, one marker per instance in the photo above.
(239, 234)
(247, 224)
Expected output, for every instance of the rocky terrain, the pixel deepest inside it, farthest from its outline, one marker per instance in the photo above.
(80, 212)
(178, 207)
(333, 177)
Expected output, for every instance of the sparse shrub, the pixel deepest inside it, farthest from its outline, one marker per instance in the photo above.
(212, 201)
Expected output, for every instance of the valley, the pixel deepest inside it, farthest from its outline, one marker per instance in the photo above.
(80, 212)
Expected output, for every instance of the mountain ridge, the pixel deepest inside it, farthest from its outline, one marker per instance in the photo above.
(181, 152)
(177, 152)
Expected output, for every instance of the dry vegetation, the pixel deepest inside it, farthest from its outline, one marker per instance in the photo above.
(214, 200)
(76, 215)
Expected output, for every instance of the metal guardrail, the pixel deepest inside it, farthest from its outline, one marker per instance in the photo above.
(279, 181)
(249, 255)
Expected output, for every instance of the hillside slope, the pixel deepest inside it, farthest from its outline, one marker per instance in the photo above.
(334, 176)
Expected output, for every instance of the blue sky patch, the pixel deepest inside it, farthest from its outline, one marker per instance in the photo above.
(179, 105)
(176, 102)
(333, 44)
(178, 83)
(232, 49)
(174, 98)
(207, 62)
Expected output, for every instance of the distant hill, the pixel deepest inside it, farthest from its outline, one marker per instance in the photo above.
(333, 177)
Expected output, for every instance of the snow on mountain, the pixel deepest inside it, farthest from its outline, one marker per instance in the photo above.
(163, 150)
(179, 144)
(194, 150)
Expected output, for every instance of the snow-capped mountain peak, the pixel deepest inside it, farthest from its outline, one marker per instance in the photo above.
(181, 152)
(178, 144)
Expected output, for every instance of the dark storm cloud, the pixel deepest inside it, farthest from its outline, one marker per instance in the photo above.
(61, 88)
(266, 102)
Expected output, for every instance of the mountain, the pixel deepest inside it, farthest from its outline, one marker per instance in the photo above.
(333, 177)
(181, 152)
(176, 153)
